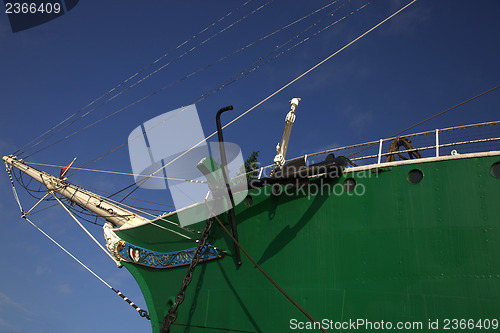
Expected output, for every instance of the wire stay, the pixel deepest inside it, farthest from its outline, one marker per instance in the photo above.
(284, 87)
(24, 148)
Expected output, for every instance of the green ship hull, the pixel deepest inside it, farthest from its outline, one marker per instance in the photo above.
(417, 257)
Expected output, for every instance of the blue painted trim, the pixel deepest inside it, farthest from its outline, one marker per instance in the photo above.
(141, 256)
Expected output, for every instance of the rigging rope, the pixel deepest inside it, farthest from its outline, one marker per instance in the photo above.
(21, 151)
(204, 96)
(153, 175)
(171, 316)
(69, 209)
(247, 71)
(85, 229)
(16, 197)
(265, 274)
(132, 198)
(118, 173)
(432, 117)
(316, 33)
(131, 86)
(142, 313)
(150, 221)
(78, 213)
(20, 180)
(159, 217)
(259, 63)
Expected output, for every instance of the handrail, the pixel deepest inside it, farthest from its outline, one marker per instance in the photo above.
(439, 140)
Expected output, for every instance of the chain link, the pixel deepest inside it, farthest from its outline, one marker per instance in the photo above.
(171, 316)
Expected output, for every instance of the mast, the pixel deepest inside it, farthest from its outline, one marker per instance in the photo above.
(281, 148)
(115, 214)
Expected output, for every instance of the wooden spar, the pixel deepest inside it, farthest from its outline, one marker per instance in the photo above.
(100, 206)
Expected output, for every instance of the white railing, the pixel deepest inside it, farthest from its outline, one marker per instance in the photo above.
(462, 139)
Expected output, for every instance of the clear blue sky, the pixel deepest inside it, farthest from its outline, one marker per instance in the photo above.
(430, 57)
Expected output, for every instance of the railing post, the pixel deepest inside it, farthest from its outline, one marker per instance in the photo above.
(437, 143)
(380, 151)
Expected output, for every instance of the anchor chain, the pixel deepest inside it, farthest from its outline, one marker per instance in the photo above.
(171, 316)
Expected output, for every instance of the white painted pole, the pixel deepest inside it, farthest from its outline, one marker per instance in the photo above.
(380, 151)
